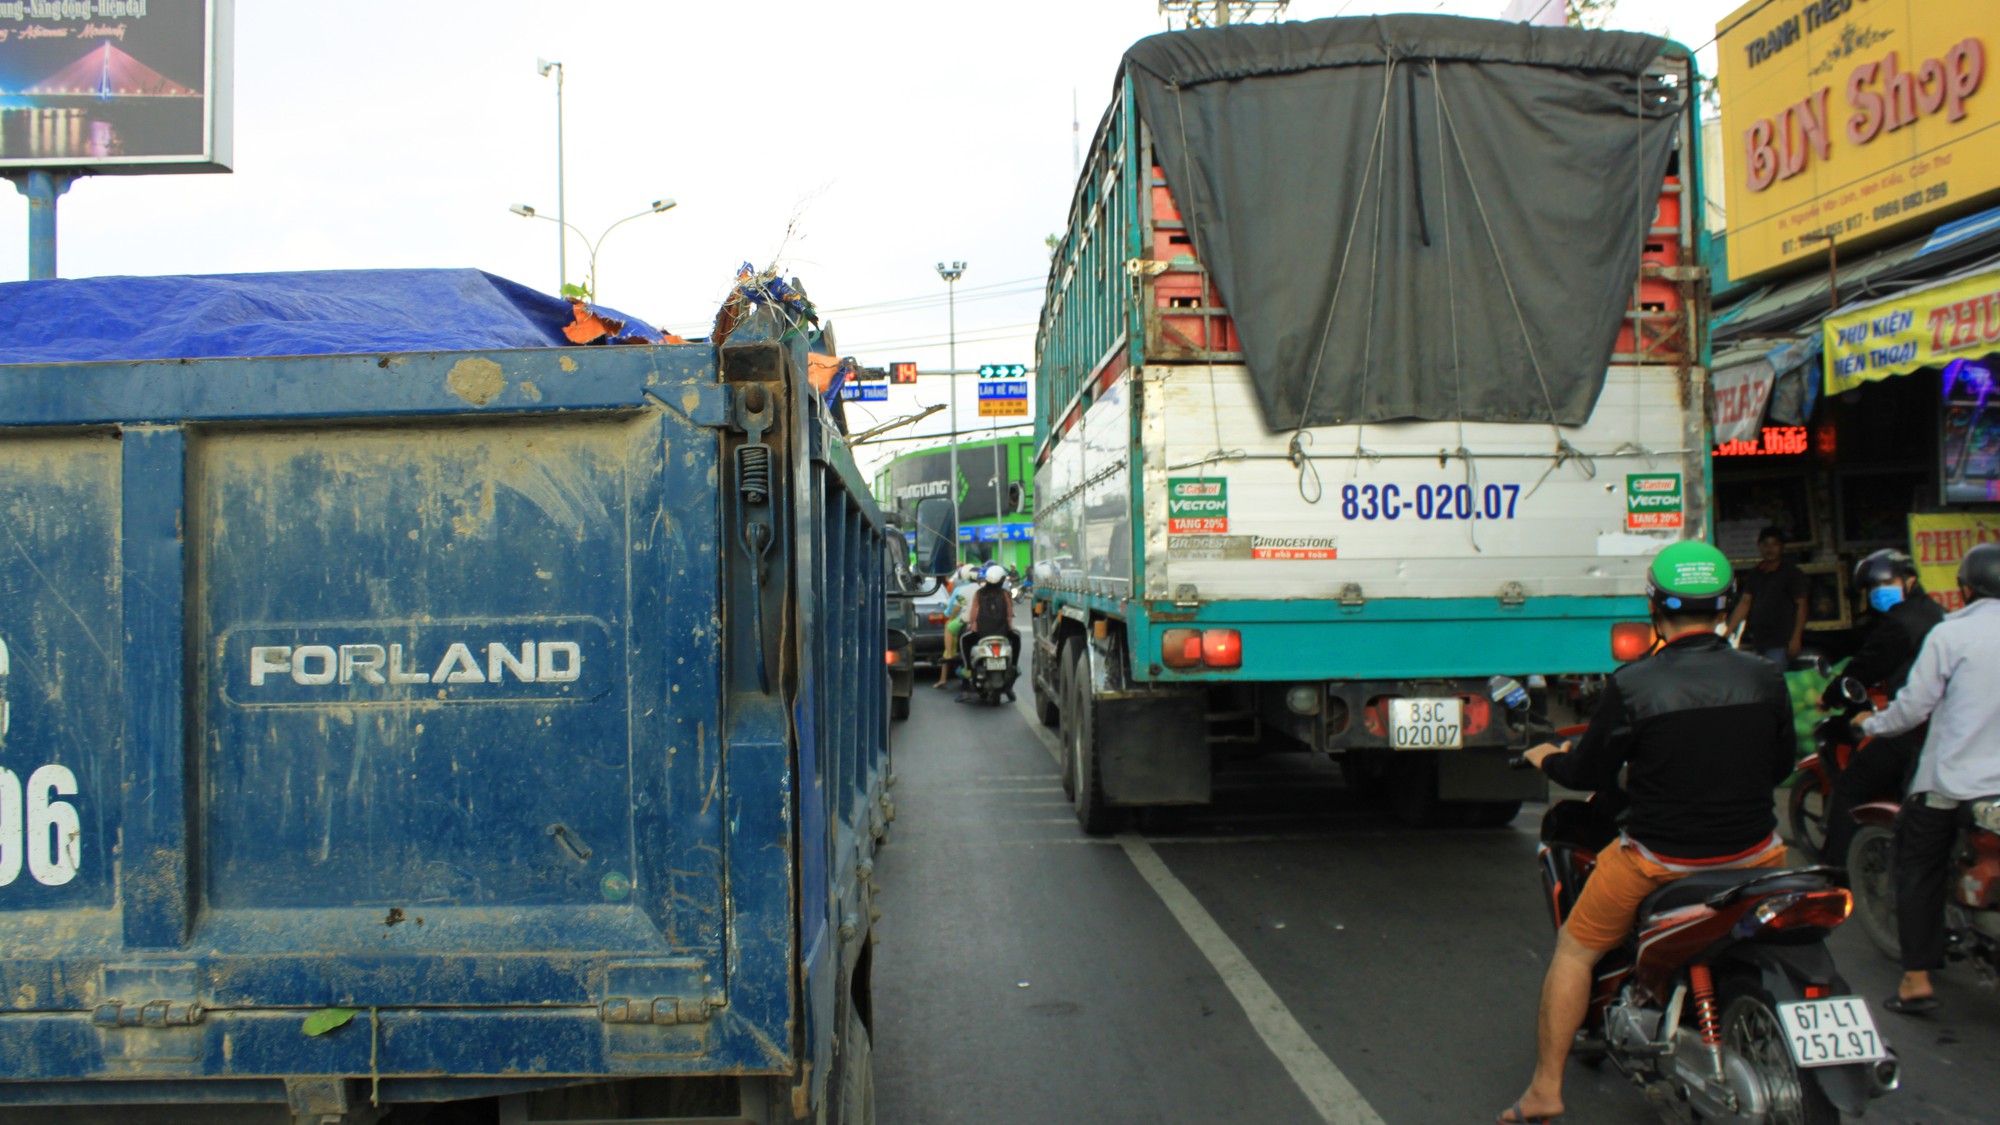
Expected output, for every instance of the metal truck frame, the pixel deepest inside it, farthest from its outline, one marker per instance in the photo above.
(661, 902)
(1140, 390)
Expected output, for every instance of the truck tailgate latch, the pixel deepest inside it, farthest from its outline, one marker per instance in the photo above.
(1351, 596)
(1513, 594)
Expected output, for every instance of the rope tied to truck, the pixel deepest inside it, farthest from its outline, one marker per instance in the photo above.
(1278, 154)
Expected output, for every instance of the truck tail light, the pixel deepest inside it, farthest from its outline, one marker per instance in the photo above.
(1222, 648)
(937, 618)
(889, 656)
(1194, 648)
(1630, 640)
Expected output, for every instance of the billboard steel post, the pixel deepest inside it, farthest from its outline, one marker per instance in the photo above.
(42, 189)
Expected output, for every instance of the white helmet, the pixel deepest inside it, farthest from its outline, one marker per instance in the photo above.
(994, 575)
(968, 573)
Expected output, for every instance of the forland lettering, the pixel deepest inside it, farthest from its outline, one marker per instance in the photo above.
(537, 662)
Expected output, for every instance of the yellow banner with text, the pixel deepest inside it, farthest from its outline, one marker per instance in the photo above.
(1926, 328)
(1938, 540)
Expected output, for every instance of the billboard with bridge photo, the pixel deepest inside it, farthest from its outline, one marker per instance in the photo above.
(115, 85)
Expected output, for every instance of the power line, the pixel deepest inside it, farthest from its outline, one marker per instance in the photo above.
(848, 346)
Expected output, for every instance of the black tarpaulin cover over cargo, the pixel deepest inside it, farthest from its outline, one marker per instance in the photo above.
(1414, 216)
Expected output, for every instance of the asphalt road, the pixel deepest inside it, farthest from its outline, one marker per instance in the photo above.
(1284, 956)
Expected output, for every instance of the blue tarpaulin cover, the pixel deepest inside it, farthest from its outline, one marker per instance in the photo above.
(323, 312)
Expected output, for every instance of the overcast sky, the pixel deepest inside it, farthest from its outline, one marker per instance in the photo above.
(855, 142)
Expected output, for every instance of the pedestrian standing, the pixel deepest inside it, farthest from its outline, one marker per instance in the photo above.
(1773, 602)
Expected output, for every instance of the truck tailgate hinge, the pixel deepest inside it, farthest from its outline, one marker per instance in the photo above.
(665, 1010)
(151, 1013)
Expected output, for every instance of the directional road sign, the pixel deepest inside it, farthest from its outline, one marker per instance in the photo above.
(1003, 398)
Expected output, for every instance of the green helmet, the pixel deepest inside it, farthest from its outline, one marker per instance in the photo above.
(1690, 578)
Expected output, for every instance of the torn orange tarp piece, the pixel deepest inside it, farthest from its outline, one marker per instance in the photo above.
(821, 370)
(588, 327)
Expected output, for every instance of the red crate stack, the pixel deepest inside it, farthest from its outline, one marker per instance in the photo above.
(1180, 290)
(1653, 322)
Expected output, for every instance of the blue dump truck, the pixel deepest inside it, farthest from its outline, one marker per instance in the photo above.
(1370, 377)
(408, 707)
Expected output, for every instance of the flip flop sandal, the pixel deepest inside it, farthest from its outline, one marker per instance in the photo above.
(1520, 1118)
(1912, 1006)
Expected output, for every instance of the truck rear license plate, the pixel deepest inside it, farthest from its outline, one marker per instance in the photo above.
(1426, 724)
(1831, 1032)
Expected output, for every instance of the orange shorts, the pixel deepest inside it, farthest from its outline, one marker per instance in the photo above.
(1608, 908)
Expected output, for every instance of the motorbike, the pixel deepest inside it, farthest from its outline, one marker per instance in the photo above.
(1972, 903)
(1812, 791)
(1725, 1004)
(989, 668)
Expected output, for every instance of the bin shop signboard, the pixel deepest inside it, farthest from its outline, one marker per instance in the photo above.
(1848, 118)
(128, 86)
(1939, 540)
(1929, 327)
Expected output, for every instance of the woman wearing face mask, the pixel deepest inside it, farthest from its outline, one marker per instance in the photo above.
(1904, 615)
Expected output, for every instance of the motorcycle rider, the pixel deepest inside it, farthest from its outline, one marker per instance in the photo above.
(1904, 616)
(965, 581)
(1704, 733)
(1951, 684)
(990, 612)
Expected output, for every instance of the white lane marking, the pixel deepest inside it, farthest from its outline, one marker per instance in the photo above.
(1329, 1091)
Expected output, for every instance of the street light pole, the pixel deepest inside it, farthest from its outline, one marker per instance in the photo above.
(542, 67)
(657, 206)
(951, 273)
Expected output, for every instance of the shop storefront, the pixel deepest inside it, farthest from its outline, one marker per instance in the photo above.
(1857, 318)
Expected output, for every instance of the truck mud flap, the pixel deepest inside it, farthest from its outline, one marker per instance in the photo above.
(1153, 748)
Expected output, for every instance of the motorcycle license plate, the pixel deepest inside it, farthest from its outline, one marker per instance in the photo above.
(1426, 724)
(1831, 1032)
(996, 662)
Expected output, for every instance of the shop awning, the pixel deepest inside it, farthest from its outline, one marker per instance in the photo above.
(1764, 381)
(1956, 317)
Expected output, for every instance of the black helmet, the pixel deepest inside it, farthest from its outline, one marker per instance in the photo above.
(1883, 567)
(1979, 571)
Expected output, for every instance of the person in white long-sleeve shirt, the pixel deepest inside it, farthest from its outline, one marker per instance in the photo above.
(1955, 683)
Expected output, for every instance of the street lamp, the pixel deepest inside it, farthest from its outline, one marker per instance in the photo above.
(542, 67)
(653, 208)
(951, 273)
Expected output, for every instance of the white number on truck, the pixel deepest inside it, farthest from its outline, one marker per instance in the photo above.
(38, 829)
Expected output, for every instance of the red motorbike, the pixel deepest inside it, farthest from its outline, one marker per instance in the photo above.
(1812, 791)
(1725, 1004)
(1972, 905)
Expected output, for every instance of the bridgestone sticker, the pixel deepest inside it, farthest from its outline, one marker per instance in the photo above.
(1197, 507)
(1653, 502)
(1200, 548)
(1292, 547)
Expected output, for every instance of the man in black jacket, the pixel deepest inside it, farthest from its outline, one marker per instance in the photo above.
(1904, 616)
(1704, 734)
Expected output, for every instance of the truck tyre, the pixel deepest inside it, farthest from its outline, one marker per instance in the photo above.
(857, 1072)
(1080, 727)
(1413, 786)
(1491, 814)
(899, 707)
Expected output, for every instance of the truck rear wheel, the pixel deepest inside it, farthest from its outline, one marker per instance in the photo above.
(857, 1072)
(1080, 743)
